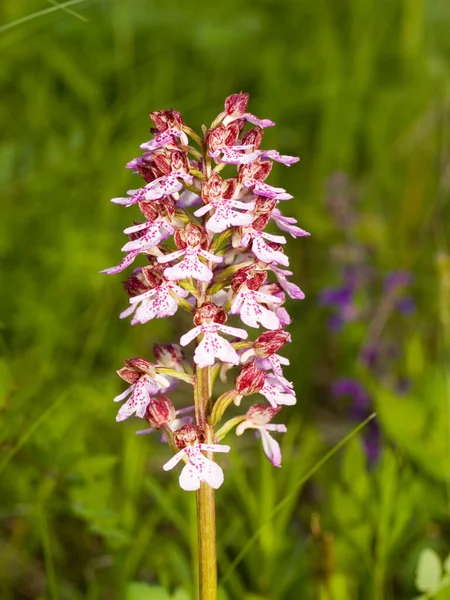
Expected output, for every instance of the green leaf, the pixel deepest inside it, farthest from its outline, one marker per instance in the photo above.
(414, 359)
(180, 595)
(417, 423)
(429, 570)
(339, 586)
(144, 591)
(447, 564)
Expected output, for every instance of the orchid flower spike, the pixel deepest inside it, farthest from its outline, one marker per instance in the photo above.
(204, 250)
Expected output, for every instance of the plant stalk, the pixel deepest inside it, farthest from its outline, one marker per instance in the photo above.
(206, 510)
(206, 517)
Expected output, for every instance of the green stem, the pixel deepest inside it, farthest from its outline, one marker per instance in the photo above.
(206, 511)
(206, 516)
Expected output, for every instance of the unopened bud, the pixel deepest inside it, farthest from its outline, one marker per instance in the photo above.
(250, 380)
(253, 136)
(163, 119)
(236, 104)
(160, 412)
(270, 342)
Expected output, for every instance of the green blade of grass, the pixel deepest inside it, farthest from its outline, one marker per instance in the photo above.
(285, 500)
(29, 432)
(39, 13)
(68, 11)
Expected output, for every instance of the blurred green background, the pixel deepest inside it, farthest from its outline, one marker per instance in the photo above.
(356, 87)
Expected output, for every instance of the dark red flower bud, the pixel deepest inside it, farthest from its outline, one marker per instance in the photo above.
(236, 104)
(250, 380)
(160, 411)
(241, 277)
(209, 311)
(253, 136)
(261, 222)
(270, 342)
(188, 435)
(232, 132)
(165, 119)
(229, 188)
(179, 239)
(262, 170)
(162, 160)
(257, 280)
(264, 205)
(258, 169)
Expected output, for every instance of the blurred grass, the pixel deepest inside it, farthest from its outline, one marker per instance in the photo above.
(354, 86)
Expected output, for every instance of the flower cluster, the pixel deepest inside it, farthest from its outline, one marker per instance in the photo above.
(206, 251)
(364, 295)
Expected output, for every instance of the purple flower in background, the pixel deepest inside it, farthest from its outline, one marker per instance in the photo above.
(367, 299)
(397, 279)
(406, 305)
(347, 386)
(397, 284)
(341, 300)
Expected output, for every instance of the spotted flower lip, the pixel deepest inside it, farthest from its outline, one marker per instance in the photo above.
(190, 266)
(262, 250)
(198, 468)
(224, 216)
(157, 303)
(153, 233)
(206, 251)
(139, 396)
(277, 393)
(212, 345)
(249, 304)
